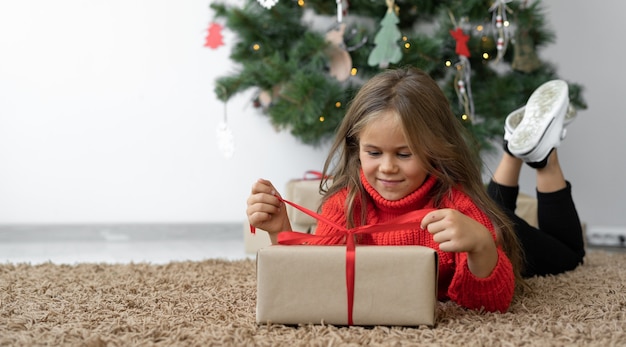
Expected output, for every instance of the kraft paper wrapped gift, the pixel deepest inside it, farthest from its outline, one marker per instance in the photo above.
(301, 284)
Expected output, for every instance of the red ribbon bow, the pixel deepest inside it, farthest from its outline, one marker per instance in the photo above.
(411, 220)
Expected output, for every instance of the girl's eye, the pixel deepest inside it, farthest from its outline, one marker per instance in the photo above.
(373, 153)
(404, 155)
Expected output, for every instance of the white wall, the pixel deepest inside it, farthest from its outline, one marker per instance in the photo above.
(107, 114)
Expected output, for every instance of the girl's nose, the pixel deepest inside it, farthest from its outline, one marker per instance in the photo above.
(387, 165)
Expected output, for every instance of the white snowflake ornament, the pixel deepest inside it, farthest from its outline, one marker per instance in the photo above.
(225, 140)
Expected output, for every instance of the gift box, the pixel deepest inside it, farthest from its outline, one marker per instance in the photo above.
(304, 192)
(302, 284)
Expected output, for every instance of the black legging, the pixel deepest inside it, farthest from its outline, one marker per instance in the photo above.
(557, 245)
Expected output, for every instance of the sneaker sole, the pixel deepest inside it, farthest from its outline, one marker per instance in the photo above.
(514, 118)
(544, 112)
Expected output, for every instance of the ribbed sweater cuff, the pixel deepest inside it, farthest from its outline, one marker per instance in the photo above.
(493, 293)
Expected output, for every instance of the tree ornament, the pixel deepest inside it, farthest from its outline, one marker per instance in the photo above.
(342, 9)
(525, 57)
(265, 98)
(499, 21)
(340, 61)
(461, 42)
(339, 58)
(225, 138)
(214, 36)
(462, 84)
(387, 49)
(268, 4)
(463, 87)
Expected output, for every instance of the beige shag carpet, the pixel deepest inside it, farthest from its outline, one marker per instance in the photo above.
(212, 303)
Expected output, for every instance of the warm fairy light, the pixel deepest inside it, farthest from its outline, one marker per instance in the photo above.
(407, 45)
(338, 104)
(448, 63)
(321, 118)
(507, 23)
(301, 3)
(256, 46)
(486, 56)
(464, 117)
(353, 71)
(479, 28)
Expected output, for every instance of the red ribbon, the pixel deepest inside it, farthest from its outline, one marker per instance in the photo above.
(411, 220)
(314, 175)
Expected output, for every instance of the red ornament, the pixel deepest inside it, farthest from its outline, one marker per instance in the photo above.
(461, 42)
(214, 36)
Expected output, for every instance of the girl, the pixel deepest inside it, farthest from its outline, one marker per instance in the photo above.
(398, 149)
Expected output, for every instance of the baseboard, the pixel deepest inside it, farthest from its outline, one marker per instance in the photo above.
(119, 232)
(606, 236)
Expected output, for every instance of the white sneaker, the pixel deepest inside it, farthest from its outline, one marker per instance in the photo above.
(514, 118)
(512, 121)
(541, 128)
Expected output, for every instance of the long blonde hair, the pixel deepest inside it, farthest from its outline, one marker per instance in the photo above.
(434, 134)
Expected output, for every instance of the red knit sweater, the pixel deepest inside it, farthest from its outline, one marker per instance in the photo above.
(456, 282)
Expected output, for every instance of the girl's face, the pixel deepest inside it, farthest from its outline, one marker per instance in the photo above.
(387, 162)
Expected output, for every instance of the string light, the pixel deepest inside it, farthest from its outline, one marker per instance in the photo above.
(448, 63)
(464, 117)
(338, 104)
(407, 44)
(256, 46)
(353, 71)
(322, 118)
(301, 3)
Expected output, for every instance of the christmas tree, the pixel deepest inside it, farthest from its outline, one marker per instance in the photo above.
(483, 53)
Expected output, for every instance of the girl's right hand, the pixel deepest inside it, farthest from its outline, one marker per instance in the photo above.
(265, 211)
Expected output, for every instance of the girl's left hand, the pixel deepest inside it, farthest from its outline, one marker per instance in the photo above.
(456, 232)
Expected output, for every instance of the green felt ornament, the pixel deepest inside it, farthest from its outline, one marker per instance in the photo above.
(387, 49)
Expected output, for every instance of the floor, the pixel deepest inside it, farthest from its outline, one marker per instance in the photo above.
(157, 244)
